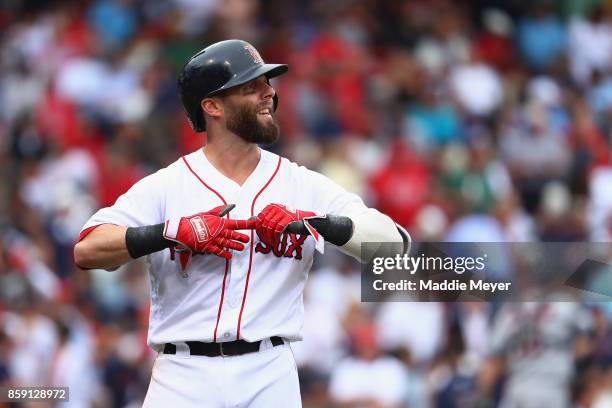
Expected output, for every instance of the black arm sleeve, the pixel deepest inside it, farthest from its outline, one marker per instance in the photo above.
(335, 229)
(142, 241)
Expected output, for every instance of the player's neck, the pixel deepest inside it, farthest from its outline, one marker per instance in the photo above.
(236, 160)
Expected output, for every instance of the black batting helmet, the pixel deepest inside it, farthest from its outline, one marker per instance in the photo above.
(218, 67)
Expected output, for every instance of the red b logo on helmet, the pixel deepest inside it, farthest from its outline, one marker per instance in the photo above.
(254, 54)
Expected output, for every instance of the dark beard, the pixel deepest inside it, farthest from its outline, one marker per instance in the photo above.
(242, 121)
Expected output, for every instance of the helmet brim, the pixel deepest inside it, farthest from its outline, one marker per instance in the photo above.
(274, 70)
(269, 70)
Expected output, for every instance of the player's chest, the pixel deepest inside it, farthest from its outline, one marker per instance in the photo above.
(187, 197)
(191, 195)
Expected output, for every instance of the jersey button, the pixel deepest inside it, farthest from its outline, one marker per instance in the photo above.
(226, 335)
(233, 302)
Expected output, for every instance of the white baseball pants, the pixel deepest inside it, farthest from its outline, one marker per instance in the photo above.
(265, 379)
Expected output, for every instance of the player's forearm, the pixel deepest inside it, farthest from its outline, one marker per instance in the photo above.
(103, 248)
(109, 246)
(374, 226)
(348, 233)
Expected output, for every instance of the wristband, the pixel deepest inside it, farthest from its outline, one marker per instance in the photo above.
(146, 240)
(335, 229)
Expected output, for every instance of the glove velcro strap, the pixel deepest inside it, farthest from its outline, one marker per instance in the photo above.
(319, 240)
(170, 232)
(171, 228)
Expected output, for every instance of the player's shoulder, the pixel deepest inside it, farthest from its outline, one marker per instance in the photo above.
(159, 177)
(163, 172)
(282, 165)
(307, 178)
(181, 165)
(287, 165)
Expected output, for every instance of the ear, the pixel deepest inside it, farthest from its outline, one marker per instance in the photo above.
(212, 107)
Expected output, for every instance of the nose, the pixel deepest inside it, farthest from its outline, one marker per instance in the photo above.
(269, 91)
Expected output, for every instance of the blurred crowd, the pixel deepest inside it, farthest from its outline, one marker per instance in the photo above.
(480, 120)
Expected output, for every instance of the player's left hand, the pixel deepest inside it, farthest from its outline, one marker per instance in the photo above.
(274, 218)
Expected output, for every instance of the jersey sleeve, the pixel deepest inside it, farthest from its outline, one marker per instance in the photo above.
(141, 205)
(330, 198)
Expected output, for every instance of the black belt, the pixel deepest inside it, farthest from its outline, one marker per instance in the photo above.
(230, 348)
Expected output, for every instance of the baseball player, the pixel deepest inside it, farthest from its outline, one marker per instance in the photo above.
(228, 232)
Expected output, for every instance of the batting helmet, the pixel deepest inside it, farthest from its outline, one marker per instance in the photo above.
(218, 67)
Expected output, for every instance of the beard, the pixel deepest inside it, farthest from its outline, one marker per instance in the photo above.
(242, 120)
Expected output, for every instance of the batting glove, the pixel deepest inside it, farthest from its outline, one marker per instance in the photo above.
(208, 232)
(272, 221)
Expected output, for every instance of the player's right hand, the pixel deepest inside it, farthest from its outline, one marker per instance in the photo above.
(208, 232)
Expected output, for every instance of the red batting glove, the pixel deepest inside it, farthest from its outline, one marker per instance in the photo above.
(274, 218)
(207, 232)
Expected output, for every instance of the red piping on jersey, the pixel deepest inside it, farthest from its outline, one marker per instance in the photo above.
(246, 286)
(202, 181)
(221, 301)
(226, 261)
(82, 235)
(86, 232)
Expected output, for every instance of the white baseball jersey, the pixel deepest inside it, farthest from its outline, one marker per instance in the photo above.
(258, 293)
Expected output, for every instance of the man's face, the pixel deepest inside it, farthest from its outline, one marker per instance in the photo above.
(249, 112)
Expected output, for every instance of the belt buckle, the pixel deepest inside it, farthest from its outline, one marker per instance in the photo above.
(221, 350)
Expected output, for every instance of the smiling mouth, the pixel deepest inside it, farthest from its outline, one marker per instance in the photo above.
(267, 112)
